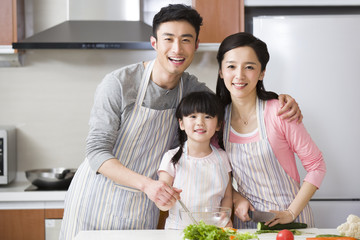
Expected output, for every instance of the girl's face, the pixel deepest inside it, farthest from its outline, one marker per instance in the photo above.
(199, 127)
(241, 70)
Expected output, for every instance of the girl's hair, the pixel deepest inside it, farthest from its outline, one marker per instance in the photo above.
(199, 102)
(243, 39)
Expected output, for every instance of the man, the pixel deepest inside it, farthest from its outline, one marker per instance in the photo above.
(132, 125)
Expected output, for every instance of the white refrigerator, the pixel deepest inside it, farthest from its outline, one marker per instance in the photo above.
(316, 59)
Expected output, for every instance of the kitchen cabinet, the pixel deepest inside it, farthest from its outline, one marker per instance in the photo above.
(26, 224)
(221, 18)
(11, 23)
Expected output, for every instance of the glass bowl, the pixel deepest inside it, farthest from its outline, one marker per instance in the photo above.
(218, 216)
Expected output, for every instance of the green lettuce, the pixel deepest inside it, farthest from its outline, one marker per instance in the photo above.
(203, 231)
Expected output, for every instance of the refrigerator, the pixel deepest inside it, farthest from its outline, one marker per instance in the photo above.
(316, 59)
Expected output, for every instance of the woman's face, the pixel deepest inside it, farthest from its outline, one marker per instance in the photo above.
(241, 70)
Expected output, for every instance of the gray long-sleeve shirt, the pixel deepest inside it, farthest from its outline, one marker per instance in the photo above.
(114, 100)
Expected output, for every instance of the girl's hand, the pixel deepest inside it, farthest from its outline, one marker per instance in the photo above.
(280, 217)
(229, 224)
(162, 194)
(241, 207)
(289, 108)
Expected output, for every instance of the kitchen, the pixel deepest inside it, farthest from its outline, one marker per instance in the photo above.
(49, 97)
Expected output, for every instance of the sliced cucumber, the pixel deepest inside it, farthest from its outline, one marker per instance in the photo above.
(293, 225)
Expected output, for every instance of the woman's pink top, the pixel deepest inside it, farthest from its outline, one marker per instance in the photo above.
(287, 138)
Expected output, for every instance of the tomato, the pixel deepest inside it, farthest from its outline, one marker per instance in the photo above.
(285, 235)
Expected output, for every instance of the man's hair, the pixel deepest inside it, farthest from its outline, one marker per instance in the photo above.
(177, 12)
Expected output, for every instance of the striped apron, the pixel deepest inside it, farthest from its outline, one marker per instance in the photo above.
(203, 182)
(95, 202)
(259, 176)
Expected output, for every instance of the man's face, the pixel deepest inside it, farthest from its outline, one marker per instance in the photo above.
(175, 46)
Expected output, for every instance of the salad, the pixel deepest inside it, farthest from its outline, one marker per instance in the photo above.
(203, 231)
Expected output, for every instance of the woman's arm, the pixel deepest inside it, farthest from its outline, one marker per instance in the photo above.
(303, 197)
(294, 138)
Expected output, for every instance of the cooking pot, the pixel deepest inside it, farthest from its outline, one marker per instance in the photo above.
(51, 178)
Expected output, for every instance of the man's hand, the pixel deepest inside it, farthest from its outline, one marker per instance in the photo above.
(289, 108)
(162, 194)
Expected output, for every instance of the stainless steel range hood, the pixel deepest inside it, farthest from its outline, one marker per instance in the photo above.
(93, 24)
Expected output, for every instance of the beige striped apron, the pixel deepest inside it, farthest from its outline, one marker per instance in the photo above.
(94, 202)
(203, 182)
(259, 175)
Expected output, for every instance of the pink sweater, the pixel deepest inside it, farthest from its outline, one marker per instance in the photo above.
(287, 138)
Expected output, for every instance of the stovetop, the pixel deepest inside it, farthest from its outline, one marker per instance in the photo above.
(35, 188)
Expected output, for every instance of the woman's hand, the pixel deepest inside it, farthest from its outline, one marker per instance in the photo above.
(280, 217)
(241, 207)
(289, 108)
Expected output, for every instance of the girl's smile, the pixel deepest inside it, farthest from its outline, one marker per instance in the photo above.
(199, 126)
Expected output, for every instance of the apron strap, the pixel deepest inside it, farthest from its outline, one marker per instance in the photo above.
(260, 120)
(144, 82)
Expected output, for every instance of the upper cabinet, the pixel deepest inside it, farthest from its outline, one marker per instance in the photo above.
(221, 18)
(11, 23)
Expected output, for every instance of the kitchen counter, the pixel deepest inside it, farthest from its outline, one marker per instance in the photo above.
(177, 234)
(14, 196)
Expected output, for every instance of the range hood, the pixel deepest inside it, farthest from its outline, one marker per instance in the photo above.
(92, 24)
(77, 34)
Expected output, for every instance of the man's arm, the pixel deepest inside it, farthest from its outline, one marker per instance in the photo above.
(290, 108)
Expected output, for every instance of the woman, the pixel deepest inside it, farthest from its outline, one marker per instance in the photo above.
(260, 144)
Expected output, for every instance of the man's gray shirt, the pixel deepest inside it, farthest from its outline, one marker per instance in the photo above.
(114, 100)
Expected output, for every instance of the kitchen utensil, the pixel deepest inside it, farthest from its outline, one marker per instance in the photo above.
(186, 209)
(63, 174)
(218, 216)
(188, 212)
(51, 178)
(260, 216)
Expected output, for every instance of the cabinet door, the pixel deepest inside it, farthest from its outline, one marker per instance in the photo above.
(22, 224)
(54, 213)
(11, 21)
(221, 18)
(6, 22)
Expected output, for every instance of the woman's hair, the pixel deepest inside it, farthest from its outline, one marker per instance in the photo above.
(177, 12)
(199, 102)
(243, 39)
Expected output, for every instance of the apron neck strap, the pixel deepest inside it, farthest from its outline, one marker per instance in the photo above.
(144, 82)
(259, 115)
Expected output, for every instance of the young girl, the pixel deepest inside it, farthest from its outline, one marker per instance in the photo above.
(196, 169)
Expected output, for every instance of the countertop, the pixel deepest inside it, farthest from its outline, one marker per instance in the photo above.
(14, 196)
(177, 234)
